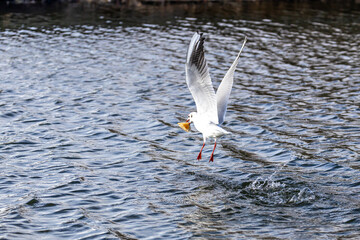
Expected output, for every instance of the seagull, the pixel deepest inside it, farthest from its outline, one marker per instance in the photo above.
(210, 106)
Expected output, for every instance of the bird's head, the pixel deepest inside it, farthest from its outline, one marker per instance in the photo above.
(191, 117)
(186, 125)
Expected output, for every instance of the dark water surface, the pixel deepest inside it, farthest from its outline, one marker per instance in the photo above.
(90, 148)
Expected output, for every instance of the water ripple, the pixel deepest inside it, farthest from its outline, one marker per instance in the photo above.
(90, 148)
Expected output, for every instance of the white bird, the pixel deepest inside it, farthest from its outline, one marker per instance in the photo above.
(211, 107)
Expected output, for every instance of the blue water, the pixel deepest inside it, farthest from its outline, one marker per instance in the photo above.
(90, 147)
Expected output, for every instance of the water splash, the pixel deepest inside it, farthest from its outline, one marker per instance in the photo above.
(278, 192)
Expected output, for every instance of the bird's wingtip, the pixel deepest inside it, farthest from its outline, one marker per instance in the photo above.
(200, 34)
(245, 40)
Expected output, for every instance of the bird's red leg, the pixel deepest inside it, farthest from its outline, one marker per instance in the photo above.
(199, 156)
(212, 154)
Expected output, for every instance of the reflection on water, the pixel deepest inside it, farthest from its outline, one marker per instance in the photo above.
(90, 148)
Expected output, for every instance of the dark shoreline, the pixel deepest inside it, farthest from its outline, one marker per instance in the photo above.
(34, 5)
(102, 13)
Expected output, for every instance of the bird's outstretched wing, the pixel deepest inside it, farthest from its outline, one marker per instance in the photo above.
(224, 90)
(198, 79)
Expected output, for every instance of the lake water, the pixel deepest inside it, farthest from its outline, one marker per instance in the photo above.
(90, 148)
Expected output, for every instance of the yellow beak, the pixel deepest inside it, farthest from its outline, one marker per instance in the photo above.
(185, 126)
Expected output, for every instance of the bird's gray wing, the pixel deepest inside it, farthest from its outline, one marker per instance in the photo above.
(224, 90)
(198, 79)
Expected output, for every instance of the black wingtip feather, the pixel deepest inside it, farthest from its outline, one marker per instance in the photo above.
(197, 57)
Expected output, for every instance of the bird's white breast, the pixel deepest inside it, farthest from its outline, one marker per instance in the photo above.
(207, 128)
